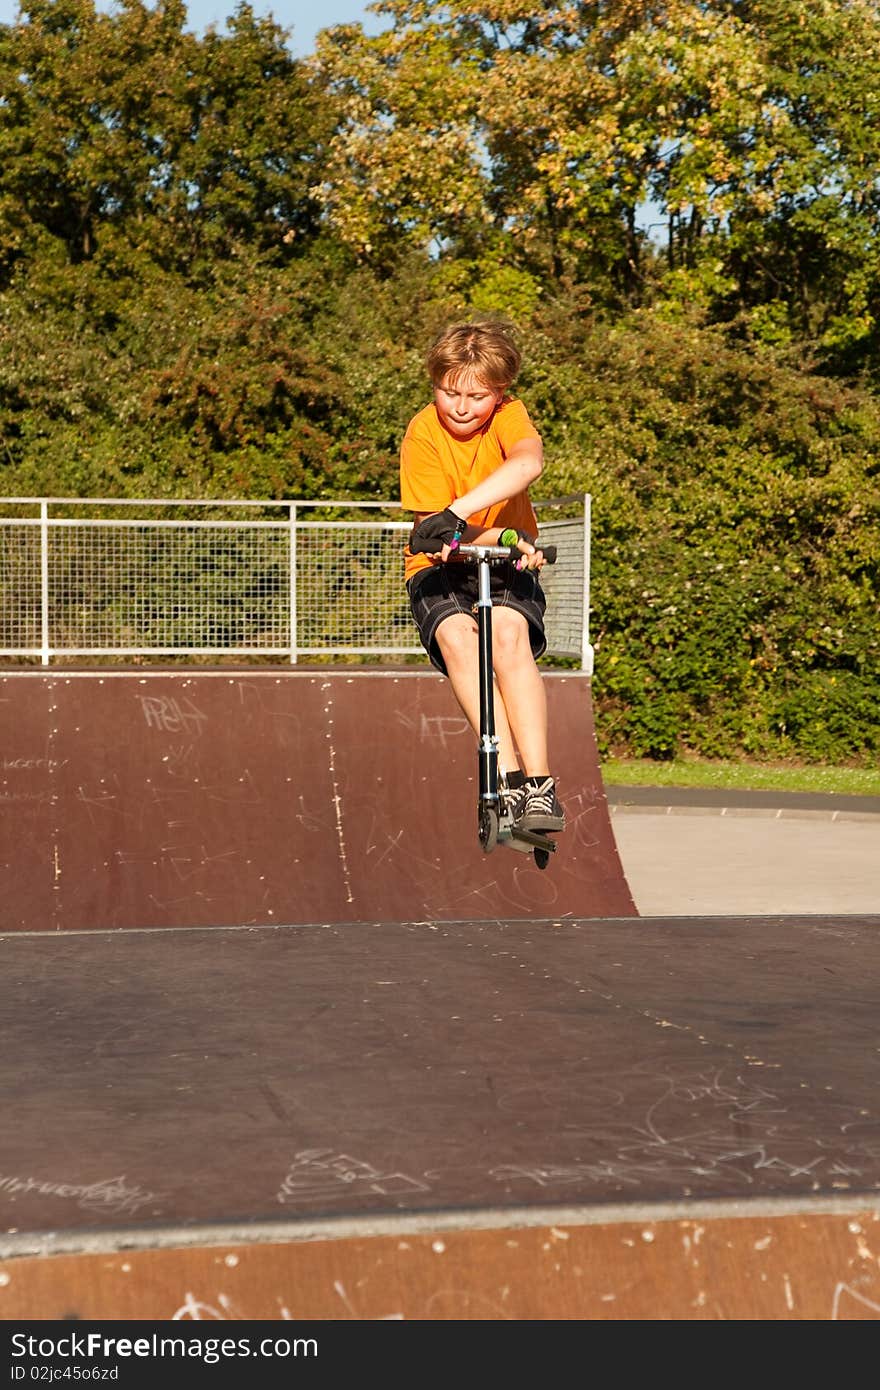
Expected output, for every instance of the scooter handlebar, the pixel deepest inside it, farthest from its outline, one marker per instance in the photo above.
(474, 552)
(503, 552)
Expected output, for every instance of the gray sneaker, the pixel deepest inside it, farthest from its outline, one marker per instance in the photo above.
(542, 811)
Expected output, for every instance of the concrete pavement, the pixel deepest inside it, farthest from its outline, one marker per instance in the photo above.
(697, 852)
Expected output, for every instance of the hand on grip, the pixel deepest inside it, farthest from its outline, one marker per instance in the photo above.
(435, 531)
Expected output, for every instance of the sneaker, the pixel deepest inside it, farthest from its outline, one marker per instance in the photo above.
(513, 799)
(542, 811)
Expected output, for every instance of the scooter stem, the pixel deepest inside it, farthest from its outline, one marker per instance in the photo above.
(488, 750)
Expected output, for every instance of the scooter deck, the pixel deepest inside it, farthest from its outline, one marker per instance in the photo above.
(534, 839)
(518, 838)
(535, 842)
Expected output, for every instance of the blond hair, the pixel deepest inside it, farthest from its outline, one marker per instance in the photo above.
(485, 348)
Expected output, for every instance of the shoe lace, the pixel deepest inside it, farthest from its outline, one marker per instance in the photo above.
(514, 797)
(542, 796)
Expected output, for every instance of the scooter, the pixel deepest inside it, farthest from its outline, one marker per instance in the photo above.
(494, 823)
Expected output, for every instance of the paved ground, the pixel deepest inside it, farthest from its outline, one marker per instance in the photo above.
(692, 852)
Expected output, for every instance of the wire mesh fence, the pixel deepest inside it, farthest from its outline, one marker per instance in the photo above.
(291, 579)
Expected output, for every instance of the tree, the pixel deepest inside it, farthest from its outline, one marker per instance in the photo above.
(547, 130)
(124, 133)
(803, 246)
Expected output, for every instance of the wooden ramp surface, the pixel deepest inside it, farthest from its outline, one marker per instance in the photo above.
(615, 1118)
(253, 797)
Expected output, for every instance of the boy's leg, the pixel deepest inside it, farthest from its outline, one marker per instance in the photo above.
(525, 703)
(522, 689)
(458, 641)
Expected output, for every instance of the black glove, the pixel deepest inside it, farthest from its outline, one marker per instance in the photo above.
(437, 530)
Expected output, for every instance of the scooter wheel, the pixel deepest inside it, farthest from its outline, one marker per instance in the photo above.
(488, 828)
(542, 858)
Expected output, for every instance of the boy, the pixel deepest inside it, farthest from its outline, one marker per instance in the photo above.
(466, 463)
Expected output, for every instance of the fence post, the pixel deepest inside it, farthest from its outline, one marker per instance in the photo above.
(44, 581)
(586, 649)
(292, 554)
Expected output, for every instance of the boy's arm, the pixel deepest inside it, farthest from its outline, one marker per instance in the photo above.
(436, 549)
(524, 463)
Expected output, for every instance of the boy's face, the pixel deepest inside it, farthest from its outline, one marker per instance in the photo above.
(464, 403)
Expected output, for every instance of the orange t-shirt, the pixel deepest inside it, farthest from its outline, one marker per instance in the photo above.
(435, 468)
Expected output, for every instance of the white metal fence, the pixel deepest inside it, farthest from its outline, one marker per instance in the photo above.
(152, 578)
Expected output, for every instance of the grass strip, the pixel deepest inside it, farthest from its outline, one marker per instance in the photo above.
(742, 776)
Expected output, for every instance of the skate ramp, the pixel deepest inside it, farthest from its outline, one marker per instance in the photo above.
(628, 1119)
(363, 1070)
(187, 798)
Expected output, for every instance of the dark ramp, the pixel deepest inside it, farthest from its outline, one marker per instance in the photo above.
(195, 799)
(629, 1118)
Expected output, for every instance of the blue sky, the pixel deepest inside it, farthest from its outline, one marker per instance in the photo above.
(303, 19)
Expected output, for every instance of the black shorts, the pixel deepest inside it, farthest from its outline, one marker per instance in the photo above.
(442, 590)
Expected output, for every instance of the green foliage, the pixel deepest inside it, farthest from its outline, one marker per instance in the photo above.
(220, 268)
(124, 132)
(735, 551)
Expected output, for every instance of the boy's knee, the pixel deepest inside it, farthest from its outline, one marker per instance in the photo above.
(457, 639)
(510, 642)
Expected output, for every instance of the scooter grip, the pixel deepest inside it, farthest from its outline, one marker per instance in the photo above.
(549, 552)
